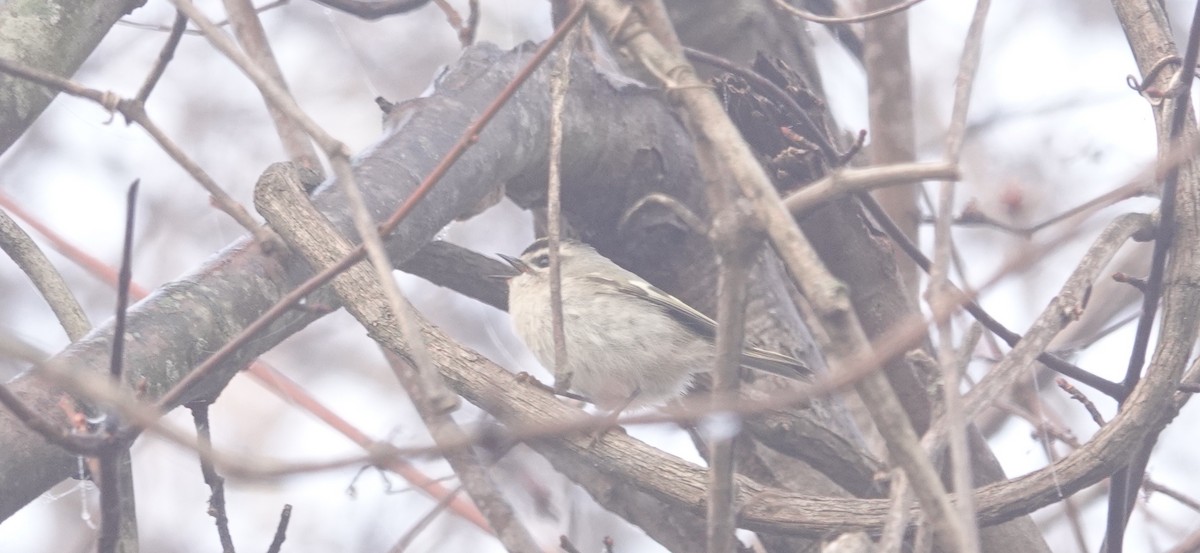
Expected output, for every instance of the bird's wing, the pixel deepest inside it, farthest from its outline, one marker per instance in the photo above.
(752, 357)
(672, 306)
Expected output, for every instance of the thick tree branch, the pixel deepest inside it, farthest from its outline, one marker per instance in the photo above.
(55, 36)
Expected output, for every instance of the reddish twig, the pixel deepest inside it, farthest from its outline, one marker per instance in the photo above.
(294, 297)
(277, 382)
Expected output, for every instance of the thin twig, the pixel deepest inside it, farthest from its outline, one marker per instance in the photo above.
(1082, 399)
(843, 182)
(88, 262)
(1104, 200)
(107, 475)
(135, 111)
(764, 85)
(293, 393)
(416, 371)
(374, 9)
(887, 62)
(320, 279)
(1068, 503)
(248, 29)
(118, 520)
(62, 436)
(465, 29)
(886, 349)
(393, 323)
(736, 249)
(517, 405)
(56, 434)
(807, 15)
(424, 522)
(164, 57)
(1057, 364)
(30, 259)
(1127, 481)
(437, 399)
(560, 80)
(896, 525)
(1152, 486)
(467, 33)
(285, 517)
(1061, 310)
(124, 277)
(419, 376)
(194, 32)
(716, 138)
(216, 484)
(275, 381)
(271, 89)
(941, 291)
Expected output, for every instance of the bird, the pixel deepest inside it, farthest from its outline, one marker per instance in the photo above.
(628, 343)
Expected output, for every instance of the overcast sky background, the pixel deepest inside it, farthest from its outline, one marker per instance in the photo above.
(1062, 127)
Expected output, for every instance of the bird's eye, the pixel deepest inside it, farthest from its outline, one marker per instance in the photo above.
(541, 261)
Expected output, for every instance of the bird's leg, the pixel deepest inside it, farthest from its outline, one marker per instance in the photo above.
(610, 420)
(533, 381)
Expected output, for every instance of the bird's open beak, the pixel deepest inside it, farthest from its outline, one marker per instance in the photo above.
(517, 264)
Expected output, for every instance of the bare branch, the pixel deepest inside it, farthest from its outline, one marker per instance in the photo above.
(374, 9)
(21, 249)
(809, 16)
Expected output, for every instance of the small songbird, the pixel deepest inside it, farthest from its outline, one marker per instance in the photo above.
(627, 342)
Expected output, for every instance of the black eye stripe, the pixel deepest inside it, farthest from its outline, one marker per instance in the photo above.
(542, 260)
(540, 243)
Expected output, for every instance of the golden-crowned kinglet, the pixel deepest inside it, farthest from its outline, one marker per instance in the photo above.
(627, 342)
